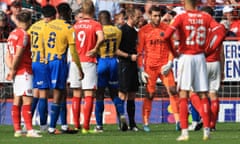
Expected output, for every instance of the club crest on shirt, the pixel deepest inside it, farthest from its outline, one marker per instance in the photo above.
(161, 34)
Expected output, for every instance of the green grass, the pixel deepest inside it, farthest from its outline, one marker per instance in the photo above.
(227, 133)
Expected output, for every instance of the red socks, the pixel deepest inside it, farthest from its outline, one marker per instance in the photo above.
(76, 109)
(27, 116)
(87, 111)
(183, 112)
(16, 117)
(214, 112)
(206, 112)
(203, 108)
(196, 102)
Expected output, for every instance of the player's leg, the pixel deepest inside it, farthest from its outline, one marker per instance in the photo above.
(35, 87)
(43, 108)
(27, 116)
(63, 110)
(88, 107)
(16, 113)
(205, 115)
(58, 73)
(200, 85)
(75, 85)
(99, 109)
(184, 82)
(214, 110)
(63, 114)
(113, 87)
(35, 100)
(169, 82)
(27, 94)
(89, 85)
(76, 107)
(146, 111)
(54, 111)
(174, 102)
(41, 81)
(214, 79)
(196, 119)
(118, 102)
(102, 82)
(183, 114)
(147, 101)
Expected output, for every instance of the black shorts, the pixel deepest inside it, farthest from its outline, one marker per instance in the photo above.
(128, 76)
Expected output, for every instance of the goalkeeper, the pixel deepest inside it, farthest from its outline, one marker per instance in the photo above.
(155, 61)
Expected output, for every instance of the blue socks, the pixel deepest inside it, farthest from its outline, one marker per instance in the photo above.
(55, 110)
(99, 108)
(43, 110)
(63, 113)
(34, 104)
(119, 104)
(195, 115)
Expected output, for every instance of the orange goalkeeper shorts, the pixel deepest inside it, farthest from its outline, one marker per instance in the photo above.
(155, 73)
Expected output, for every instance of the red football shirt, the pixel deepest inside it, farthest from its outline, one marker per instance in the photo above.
(19, 38)
(215, 40)
(193, 28)
(235, 27)
(86, 38)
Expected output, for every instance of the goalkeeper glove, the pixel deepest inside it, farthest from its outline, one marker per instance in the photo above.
(166, 68)
(143, 76)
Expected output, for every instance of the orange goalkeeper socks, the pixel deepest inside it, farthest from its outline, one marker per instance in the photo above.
(146, 110)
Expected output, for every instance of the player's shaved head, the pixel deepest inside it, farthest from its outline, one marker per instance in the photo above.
(49, 11)
(104, 17)
(64, 10)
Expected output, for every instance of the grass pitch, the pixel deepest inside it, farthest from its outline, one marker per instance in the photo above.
(227, 133)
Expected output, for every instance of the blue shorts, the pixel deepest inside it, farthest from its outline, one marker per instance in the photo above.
(58, 71)
(107, 70)
(41, 79)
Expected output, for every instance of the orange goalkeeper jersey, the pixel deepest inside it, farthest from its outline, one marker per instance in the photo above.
(152, 49)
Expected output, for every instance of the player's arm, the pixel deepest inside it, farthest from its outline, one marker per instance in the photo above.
(222, 62)
(100, 40)
(214, 41)
(8, 59)
(140, 48)
(14, 63)
(168, 38)
(140, 59)
(165, 69)
(119, 37)
(23, 41)
(17, 58)
(171, 45)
